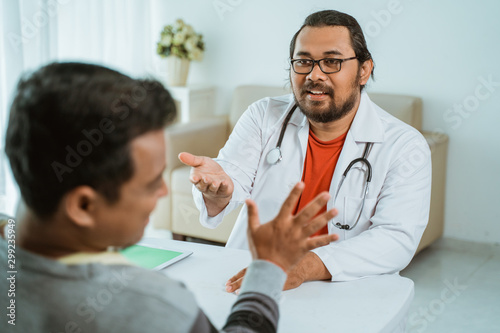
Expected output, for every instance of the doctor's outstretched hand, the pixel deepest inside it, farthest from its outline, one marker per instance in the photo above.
(285, 240)
(211, 180)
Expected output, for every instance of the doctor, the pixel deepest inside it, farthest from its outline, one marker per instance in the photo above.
(335, 130)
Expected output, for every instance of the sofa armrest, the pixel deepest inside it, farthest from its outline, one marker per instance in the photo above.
(438, 143)
(203, 137)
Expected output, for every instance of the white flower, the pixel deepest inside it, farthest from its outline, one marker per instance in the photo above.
(190, 43)
(179, 38)
(166, 40)
(196, 55)
(178, 25)
(188, 29)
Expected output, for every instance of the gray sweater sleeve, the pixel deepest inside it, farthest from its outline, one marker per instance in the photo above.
(256, 308)
(121, 298)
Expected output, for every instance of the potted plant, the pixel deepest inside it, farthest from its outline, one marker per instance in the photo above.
(179, 44)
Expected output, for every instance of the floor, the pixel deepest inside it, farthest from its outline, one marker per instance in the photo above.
(457, 287)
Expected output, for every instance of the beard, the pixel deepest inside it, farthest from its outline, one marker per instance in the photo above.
(332, 111)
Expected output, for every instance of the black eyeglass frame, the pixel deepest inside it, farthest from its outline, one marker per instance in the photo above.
(314, 62)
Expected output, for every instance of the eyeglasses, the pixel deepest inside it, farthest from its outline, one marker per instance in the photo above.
(327, 65)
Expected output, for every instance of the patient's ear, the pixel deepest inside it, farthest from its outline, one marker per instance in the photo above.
(80, 205)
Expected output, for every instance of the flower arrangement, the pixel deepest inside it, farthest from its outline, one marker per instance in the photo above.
(182, 41)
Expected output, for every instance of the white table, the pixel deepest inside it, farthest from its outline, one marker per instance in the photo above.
(377, 304)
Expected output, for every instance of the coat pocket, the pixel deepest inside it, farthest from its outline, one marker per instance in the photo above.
(354, 207)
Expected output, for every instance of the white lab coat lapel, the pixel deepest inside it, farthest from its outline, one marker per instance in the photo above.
(366, 127)
(299, 119)
(303, 133)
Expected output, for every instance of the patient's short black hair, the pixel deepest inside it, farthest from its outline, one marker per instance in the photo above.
(71, 124)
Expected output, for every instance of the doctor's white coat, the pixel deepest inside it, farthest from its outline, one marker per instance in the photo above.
(396, 209)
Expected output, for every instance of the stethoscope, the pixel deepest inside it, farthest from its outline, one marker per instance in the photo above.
(368, 179)
(274, 156)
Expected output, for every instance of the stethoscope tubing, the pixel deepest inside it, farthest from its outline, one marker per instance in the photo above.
(274, 156)
(364, 161)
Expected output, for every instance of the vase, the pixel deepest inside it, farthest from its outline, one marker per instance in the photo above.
(177, 71)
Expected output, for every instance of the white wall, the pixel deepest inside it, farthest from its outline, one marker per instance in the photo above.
(442, 51)
(439, 50)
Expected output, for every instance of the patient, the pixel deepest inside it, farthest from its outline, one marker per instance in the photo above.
(86, 146)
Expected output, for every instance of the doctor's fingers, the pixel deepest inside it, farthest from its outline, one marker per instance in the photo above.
(234, 283)
(238, 276)
(234, 286)
(196, 175)
(214, 187)
(318, 222)
(202, 182)
(312, 208)
(201, 186)
(223, 188)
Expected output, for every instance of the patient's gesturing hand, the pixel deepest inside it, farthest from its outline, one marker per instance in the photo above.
(286, 239)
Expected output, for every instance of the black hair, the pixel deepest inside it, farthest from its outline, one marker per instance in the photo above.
(71, 124)
(335, 18)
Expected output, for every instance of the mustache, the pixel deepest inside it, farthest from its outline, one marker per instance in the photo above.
(316, 86)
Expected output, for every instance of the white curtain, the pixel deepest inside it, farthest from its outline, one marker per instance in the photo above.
(114, 33)
(26, 40)
(11, 63)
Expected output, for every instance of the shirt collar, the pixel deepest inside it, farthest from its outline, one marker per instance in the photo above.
(105, 258)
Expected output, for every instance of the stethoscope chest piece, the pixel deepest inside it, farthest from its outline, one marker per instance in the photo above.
(274, 156)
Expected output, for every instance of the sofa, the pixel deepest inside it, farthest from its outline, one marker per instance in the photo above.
(206, 137)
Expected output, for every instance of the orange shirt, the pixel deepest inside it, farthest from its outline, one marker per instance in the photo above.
(319, 165)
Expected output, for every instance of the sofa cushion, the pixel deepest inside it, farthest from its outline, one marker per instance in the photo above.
(405, 108)
(180, 180)
(245, 95)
